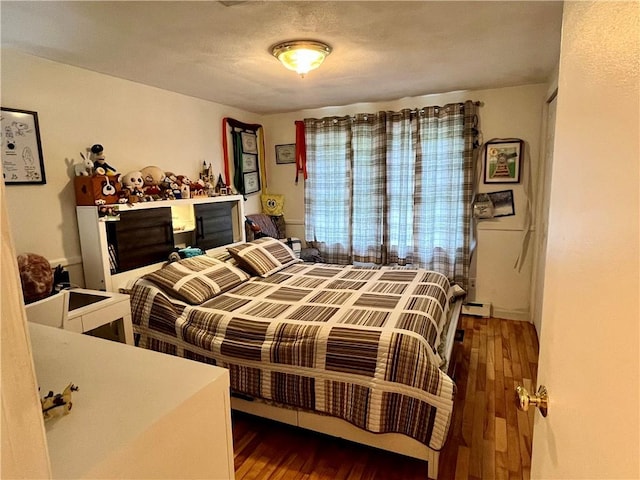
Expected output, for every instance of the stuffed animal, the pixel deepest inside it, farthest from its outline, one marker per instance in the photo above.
(187, 252)
(59, 404)
(153, 178)
(185, 191)
(133, 182)
(171, 177)
(176, 191)
(84, 169)
(98, 158)
(185, 186)
(36, 276)
(183, 180)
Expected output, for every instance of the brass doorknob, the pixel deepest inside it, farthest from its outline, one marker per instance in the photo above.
(540, 399)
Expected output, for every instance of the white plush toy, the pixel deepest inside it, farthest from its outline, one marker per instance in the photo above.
(84, 169)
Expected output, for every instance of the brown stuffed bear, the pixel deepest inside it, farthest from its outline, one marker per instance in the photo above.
(36, 276)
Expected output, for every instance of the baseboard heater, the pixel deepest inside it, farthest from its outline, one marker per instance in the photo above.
(477, 309)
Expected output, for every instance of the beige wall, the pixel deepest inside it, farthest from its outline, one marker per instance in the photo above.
(141, 125)
(507, 112)
(138, 126)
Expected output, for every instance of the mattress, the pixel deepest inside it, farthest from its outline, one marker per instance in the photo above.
(360, 344)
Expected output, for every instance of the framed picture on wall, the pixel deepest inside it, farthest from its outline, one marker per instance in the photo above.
(22, 161)
(502, 161)
(502, 203)
(249, 142)
(286, 153)
(251, 183)
(249, 162)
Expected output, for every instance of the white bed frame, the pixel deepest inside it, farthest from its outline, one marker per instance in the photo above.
(335, 427)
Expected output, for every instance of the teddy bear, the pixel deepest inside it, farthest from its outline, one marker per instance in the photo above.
(36, 276)
(134, 183)
(100, 165)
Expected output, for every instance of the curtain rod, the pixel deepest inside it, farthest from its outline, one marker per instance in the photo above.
(477, 103)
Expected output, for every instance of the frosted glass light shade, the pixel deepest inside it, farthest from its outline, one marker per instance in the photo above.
(301, 56)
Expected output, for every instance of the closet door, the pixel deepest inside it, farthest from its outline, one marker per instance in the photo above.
(214, 225)
(140, 238)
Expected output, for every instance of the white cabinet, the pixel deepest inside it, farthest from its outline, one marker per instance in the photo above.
(116, 251)
(137, 413)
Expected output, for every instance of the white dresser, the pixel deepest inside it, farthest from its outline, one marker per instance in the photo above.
(138, 414)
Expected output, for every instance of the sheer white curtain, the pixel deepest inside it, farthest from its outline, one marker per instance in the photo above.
(393, 187)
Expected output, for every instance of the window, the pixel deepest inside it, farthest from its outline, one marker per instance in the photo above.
(393, 188)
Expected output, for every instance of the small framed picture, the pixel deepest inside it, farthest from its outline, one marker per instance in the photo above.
(286, 153)
(22, 161)
(502, 162)
(502, 203)
(251, 183)
(249, 142)
(249, 162)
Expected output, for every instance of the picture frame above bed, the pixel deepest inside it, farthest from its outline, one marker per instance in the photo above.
(502, 161)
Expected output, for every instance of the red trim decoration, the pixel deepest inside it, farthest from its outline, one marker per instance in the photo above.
(301, 151)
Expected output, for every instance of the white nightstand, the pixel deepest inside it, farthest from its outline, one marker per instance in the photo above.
(80, 310)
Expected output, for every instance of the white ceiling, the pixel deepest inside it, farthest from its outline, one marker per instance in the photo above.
(382, 50)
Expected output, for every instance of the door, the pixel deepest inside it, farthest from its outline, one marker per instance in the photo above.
(589, 334)
(23, 451)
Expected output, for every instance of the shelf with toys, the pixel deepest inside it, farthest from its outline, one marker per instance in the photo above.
(130, 224)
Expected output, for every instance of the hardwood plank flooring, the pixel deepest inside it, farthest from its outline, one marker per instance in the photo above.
(489, 437)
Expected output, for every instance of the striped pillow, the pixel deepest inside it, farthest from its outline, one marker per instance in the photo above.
(197, 279)
(264, 256)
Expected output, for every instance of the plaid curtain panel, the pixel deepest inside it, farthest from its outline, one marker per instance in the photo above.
(328, 200)
(393, 188)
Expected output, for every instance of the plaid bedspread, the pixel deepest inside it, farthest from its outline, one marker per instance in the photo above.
(355, 343)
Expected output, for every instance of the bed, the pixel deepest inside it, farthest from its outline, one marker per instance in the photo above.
(356, 352)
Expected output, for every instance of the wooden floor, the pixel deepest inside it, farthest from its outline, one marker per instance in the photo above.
(489, 437)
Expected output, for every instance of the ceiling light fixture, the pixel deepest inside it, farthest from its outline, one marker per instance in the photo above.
(301, 56)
